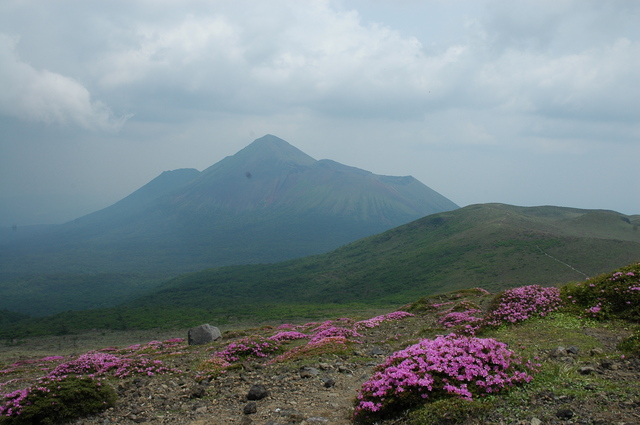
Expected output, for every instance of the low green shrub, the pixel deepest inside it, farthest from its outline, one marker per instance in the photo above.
(56, 400)
(631, 344)
(613, 295)
(450, 411)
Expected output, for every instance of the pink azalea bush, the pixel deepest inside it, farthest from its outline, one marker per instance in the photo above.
(611, 295)
(466, 322)
(249, 347)
(75, 385)
(519, 304)
(378, 320)
(98, 364)
(331, 344)
(55, 400)
(288, 336)
(447, 366)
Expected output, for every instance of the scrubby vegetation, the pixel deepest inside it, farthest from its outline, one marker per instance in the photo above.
(54, 400)
(466, 356)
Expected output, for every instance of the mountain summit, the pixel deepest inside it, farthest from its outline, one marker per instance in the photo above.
(268, 202)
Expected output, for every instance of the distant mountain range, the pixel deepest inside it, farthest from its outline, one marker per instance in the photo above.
(269, 202)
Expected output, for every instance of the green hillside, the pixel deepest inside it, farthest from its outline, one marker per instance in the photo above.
(492, 246)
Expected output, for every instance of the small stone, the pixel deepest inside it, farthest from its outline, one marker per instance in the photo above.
(558, 352)
(198, 391)
(257, 392)
(536, 421)
(343, 369)
(292, 415)
(309, 372)
(586, 370)
(328, 382)
(250, 408)
(246, 420)
(376, 351)
(564, 414)
(607, 363)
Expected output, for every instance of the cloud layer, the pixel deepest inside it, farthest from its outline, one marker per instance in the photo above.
(39, 95)
(366, 83)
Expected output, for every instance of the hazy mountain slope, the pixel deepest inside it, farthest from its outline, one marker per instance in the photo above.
(491, 245)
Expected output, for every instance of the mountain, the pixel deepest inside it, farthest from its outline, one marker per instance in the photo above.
(493, 246)
(268, 202)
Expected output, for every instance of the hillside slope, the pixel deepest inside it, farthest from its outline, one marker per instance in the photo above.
(490, 245)
(493, 246)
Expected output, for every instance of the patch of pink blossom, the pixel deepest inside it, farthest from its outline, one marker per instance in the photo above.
(452, 365)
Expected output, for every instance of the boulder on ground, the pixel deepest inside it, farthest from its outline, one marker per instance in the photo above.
(203, 334)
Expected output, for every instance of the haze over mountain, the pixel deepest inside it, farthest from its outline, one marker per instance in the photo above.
(268, 202)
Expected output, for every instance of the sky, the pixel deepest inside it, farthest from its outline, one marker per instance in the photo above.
(523, 102)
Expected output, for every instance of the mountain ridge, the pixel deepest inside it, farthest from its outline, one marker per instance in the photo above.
(269, 202)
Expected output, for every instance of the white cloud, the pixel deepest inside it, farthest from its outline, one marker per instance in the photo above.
(48, 97)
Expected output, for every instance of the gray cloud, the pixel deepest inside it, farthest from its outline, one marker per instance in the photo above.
(48, 97)
(447, 91)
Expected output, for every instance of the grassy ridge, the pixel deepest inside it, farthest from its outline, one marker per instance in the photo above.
(491, 245)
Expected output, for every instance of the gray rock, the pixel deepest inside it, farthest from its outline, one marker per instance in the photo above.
(257, 392)
(203, 334)
(564, 414)
(586, 370)
(250, 408)
(328, 382)
(292, 415)
(607, 364)
(344, 369)
(376, 351)
(573, 350)
(309, 372)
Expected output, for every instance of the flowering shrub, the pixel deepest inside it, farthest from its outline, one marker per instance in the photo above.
(448, 366)
(288, 336)
(335, 332)
(248, 347)
(466, 322)
(378, 320)
(212, 367)
(56, 400)
(328, 345)
(96, 364)
(519, 304)
(612, 295)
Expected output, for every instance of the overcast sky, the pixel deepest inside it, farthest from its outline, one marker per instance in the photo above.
(520, 102)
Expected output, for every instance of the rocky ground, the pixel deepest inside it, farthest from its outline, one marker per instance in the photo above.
(597, 384)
